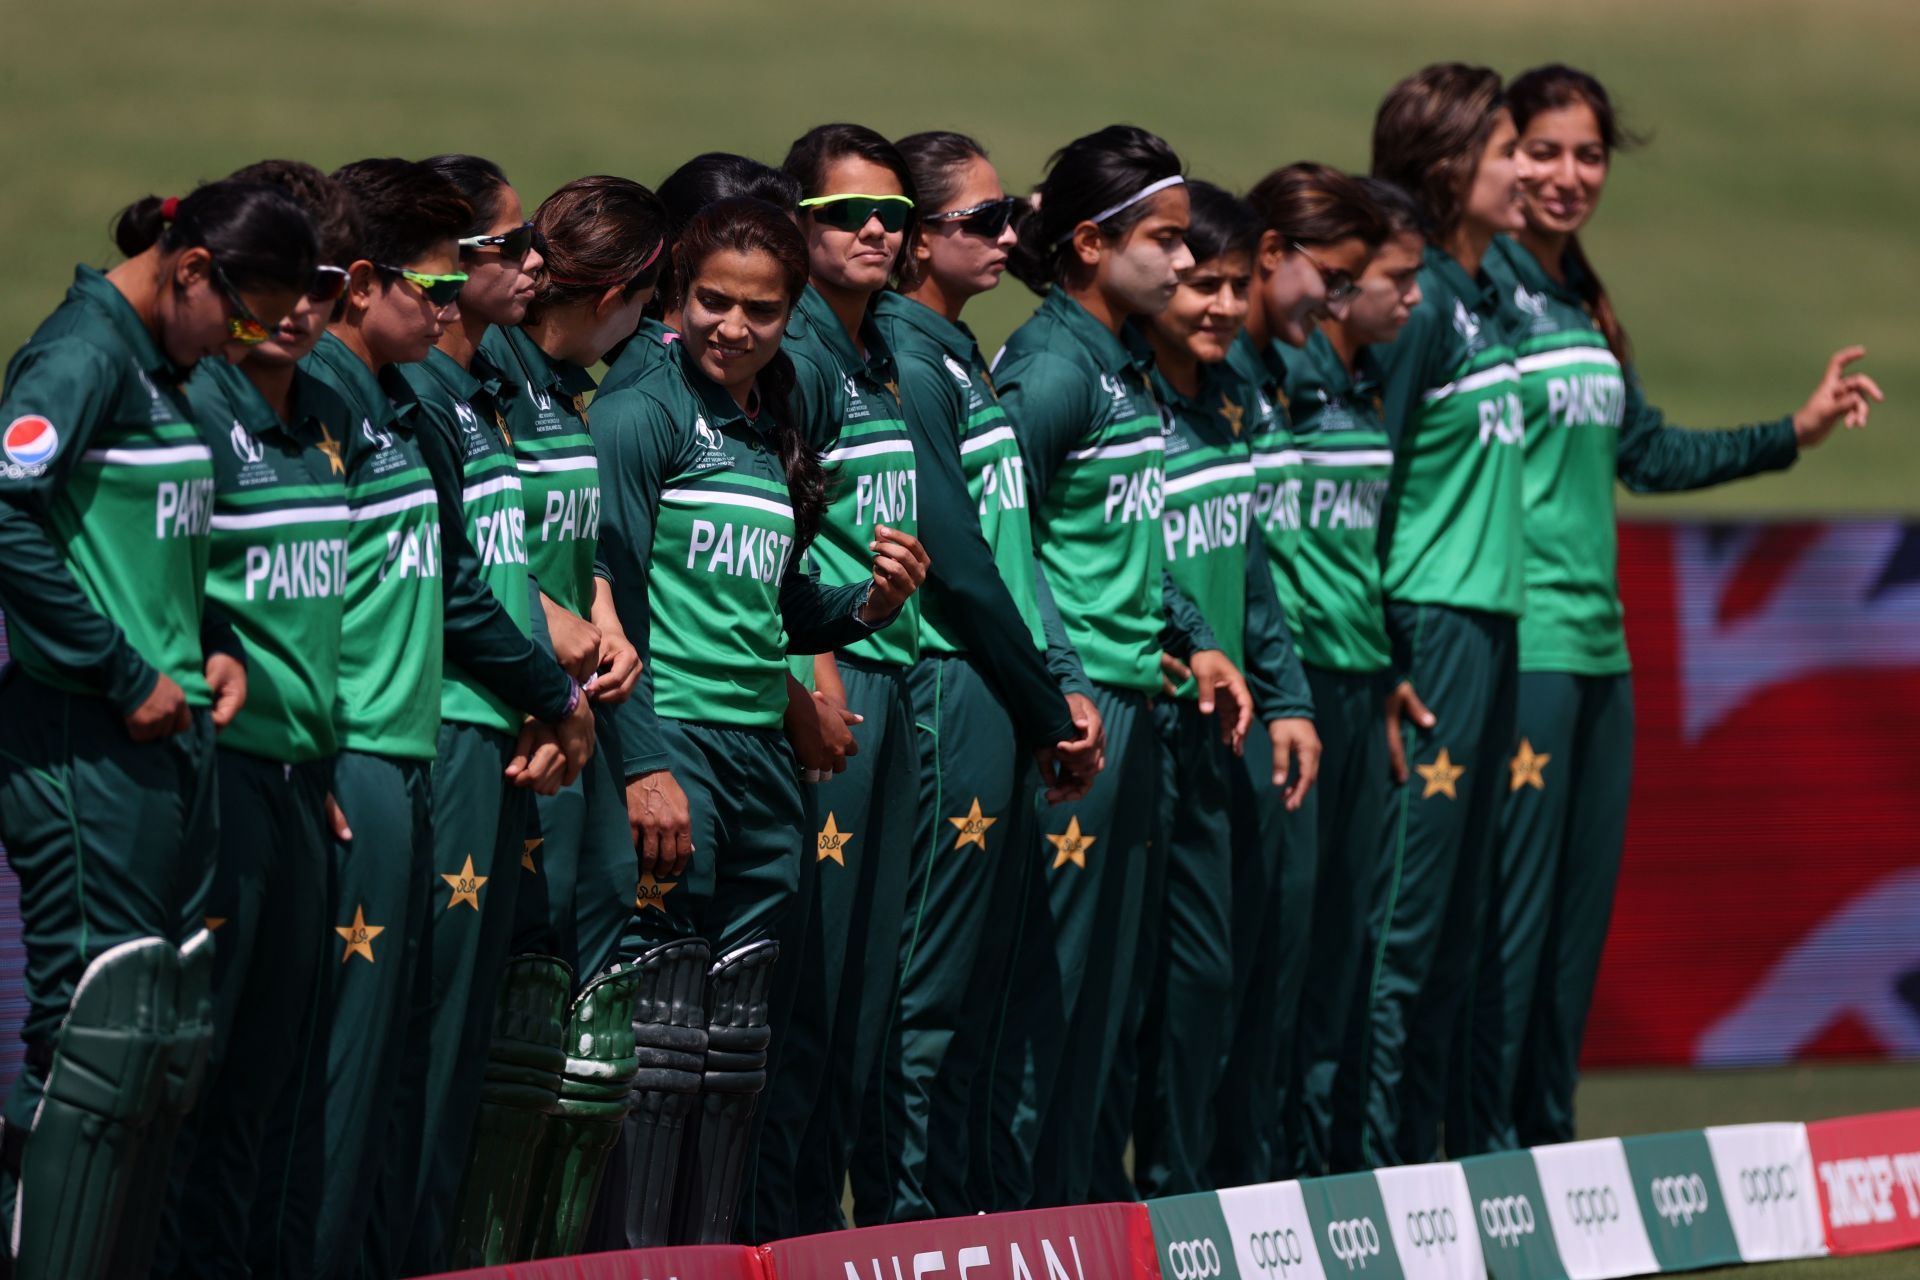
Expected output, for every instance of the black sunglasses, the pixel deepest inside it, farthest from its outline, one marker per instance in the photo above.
(989, 219)
(511, 244)
(328, 284)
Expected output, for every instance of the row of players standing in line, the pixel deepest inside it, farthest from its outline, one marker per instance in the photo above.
(996, 1044)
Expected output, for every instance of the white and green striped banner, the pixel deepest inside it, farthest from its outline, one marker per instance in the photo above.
(1579, 1211)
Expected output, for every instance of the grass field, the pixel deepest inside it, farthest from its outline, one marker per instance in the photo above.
(1771, 220)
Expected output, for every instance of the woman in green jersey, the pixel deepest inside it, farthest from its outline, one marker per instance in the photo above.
(500, 684)
(277, 571)
(856, 210)
(1186, 976)
(985, 702)
(817, 728)
(1104, 246)
(1316, 236)
(602, 243)
(1450, 539)
(109, 708)
(605, 241)
(709, 495)
(1570, 772)
(1331, 585)
(343, 1166)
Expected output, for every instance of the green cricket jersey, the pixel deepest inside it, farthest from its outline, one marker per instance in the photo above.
(650, 345)
(849, 406)
(1331, 582)
(1588, 422)
(106, 505)
(1212, 553)
(1276, 463)
(279, 564)
(391, 636)
(544, 401)
(1451, 532)
(1089, 430)
(696, 541)
(1209, 501)
(979, 597)
(478, 482)
(1273, 669)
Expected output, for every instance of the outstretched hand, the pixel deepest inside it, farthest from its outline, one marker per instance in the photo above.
(1841, 397)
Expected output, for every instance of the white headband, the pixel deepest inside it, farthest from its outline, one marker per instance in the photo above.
(1151, 189)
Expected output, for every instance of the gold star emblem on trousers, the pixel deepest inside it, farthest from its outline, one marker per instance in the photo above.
(1440, 776)
(1528, 768)
(651, 893)
(359, 936)
(972, 826)
(833, 843)
(526, 854)
(1072, 846)
(466, 886)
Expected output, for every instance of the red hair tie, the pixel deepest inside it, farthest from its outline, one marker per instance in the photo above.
(169, 207)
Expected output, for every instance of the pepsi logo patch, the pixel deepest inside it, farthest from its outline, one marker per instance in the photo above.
(30, 441)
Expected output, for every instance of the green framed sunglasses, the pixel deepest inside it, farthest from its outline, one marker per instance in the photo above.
(440, 290)
(852, 211)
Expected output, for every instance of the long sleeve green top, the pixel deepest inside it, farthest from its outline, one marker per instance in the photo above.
(1588, 423)
(1090, 436)
(391, 637)
(1343, 465)
(697, 544)
(279, 561)
(543, 406)
(979, 598)
(106, 506)
(848, 403)
(495, 672)
(1451, 532)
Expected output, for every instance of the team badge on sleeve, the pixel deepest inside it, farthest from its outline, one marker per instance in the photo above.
(30, 443)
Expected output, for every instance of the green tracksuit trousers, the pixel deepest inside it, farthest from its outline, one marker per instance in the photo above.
(1431, 891)
(862, 854)
(1274, 876)
(1355, 781)
(1562, 831)
(1096, 854)
(971, 860)
(268, 911)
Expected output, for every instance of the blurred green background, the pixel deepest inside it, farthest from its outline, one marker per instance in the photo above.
(1771, 220)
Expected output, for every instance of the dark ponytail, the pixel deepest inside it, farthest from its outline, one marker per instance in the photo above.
(260, 237)
(1551, 88)
(742, 224)
(1088, 175)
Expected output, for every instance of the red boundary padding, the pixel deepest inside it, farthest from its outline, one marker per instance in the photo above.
(693, 1262)
(1868, 1172)
(1088, 1242)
